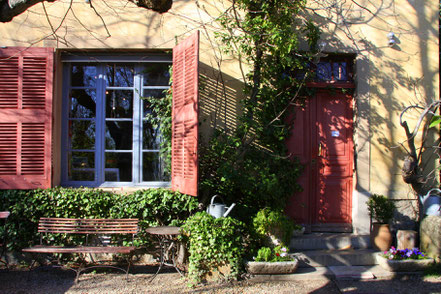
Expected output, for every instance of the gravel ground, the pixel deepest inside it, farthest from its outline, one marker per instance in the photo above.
(62, 281)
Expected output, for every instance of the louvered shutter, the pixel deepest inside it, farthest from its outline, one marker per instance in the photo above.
(185, 116)
(26, 76)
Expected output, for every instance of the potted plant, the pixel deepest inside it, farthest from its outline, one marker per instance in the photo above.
(274, 227)
(404, 260)
(272, 261)
(381, 209)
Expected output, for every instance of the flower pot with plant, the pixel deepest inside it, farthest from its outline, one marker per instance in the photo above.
(274, 227)
(406, 260)
(381, 209)
(272, 261)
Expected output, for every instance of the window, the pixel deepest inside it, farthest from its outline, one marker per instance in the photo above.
(107, 140)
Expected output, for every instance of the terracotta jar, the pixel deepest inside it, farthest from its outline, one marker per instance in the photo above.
(381, 237)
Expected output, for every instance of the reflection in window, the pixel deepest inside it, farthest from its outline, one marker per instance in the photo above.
(119, 135)
(119, 75)
(119, 104)
(81, 166)
(118, 167)
(109, 133)
(156, 74)
(339, 71)
(324, 71)
(83, 75)
(82, 134)
(82, 103)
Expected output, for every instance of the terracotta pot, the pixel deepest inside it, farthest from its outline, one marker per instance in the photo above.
(381, 237)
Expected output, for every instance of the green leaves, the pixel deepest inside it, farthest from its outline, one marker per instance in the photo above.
(152, 207)
(213, 243)
(436, 120)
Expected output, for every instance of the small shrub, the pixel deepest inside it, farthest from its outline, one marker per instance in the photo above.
(213, 243)
(274, 224)
(380, 208)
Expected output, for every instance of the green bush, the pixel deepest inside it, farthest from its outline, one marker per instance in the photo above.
(213, 243)
(268, 222)
(381, 208)
(152, 207)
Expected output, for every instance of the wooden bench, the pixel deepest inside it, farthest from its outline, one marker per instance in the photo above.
(88, 228)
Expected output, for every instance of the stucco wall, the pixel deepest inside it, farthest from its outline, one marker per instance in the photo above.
(388, 78)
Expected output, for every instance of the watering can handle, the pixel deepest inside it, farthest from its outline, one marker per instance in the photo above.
(212, 199)
(434, 189)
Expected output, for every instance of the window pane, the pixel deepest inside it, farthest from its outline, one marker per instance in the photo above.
(119, 104)
(152, 167)
(324, 71)
(83, 75)
(151, 93)
(119, 135)
(81, 166)
(82, 134)
(82, 103)
(119, 75)
(150, 136)
(118, 167)
(156, 74)
(339, 71)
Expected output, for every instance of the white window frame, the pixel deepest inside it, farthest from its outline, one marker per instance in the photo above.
(138, 60)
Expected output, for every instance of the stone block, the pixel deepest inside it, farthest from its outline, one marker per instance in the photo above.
(406, 239)
(430, 236)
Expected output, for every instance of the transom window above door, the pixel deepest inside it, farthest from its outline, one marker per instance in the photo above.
(107, 138)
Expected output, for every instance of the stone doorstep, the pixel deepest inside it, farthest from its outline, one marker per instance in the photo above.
(334, 273)
(350, 257)
(323, 241)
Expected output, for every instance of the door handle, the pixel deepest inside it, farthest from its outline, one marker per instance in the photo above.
(320, 150)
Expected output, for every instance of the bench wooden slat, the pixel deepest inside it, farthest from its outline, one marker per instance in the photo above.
(88, 226)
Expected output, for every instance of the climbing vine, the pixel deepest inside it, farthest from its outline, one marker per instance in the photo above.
(251, 165)
(161, 119)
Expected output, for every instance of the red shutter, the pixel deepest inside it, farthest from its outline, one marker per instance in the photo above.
(26, 76)
(185, 116)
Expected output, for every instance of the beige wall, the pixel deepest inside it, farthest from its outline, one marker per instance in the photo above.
(388, 78)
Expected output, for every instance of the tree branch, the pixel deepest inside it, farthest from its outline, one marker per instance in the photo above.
(11, 8)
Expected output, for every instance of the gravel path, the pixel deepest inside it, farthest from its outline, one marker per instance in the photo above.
(62, 281)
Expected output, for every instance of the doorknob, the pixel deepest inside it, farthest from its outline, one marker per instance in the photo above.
(320, 150)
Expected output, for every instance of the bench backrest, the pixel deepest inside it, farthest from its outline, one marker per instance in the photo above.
(88, 226)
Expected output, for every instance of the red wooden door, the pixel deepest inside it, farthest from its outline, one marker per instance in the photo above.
(322, 140)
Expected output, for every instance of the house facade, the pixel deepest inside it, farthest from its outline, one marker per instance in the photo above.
(73, 77)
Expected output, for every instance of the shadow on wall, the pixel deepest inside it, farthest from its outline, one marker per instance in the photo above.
(219, 101)
(383, 78)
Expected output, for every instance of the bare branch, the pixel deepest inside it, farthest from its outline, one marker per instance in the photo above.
(11, 8)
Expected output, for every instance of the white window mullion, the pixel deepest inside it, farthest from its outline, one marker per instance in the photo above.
(100, 125)
(137, 127)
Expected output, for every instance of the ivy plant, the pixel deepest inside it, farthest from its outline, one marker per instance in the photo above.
(213, 243)
(251, 165)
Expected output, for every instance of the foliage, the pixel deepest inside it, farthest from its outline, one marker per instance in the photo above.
(161, 119)
(380, 208)
(250, 165)
(395, 254)
(279, 253)
(213, 242)
(152, 207)
(275, 223)
(254, 182)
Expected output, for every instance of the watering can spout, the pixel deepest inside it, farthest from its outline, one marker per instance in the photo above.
(229, 210)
